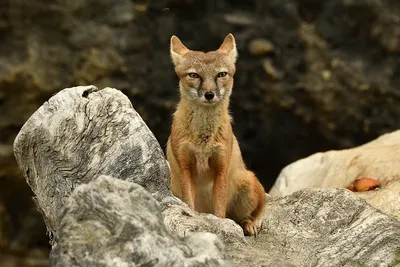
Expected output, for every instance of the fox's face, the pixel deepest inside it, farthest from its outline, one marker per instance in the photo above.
(205, 78)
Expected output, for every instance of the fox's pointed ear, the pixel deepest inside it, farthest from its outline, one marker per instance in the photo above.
(229, 47)
(177, 49)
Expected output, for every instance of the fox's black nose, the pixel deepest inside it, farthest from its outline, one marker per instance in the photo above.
(209, 95)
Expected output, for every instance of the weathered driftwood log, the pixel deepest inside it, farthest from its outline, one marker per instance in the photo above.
(330, 227)
(79, 134)
(82, 133)
(312, 227)
(110, 222)
(386, 199)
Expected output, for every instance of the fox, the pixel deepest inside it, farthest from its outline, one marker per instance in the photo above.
(208, 172)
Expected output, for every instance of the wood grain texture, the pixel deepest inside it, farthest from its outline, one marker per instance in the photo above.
(110, 222)
(79, 134)
(312, 227)
(83, 133)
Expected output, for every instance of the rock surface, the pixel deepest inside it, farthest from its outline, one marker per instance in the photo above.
(103, 221)
(80, 133)
(378, 159)
(110, 222)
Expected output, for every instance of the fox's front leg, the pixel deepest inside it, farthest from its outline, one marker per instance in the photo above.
(220, 186)
(188, 184)
(220, 195)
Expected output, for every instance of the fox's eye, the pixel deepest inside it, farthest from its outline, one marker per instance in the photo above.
(193, 75)
(222, 74)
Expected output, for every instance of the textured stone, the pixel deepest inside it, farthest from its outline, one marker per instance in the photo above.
(378, 159)
(260, 47)
(80, 133)
(110, 222)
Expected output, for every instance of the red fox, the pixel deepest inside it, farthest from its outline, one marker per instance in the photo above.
(207, 169)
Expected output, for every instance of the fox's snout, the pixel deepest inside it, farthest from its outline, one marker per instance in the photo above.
(209, 86)
(209, 96)
(209, 90)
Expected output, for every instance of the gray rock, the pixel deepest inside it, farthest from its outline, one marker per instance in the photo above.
(83, 132)
(110, 222)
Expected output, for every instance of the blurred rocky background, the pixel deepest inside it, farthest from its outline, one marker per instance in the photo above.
(312, 76)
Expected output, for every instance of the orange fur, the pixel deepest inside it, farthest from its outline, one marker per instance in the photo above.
(207, 169)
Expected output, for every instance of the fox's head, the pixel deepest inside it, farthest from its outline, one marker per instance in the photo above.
(205, 77)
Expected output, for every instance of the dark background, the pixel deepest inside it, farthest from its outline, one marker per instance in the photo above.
(312, 75)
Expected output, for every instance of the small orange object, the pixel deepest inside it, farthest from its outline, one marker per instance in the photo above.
(366, 184)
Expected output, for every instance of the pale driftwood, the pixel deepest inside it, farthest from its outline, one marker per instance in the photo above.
(83, 132)
(312, 227)
(80, 133)
(385, 199)
(378, 159)
(110, 222)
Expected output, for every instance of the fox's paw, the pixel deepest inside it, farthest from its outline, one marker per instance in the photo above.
(249, 228)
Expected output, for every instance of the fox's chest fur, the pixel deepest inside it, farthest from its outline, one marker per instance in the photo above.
(202, 129)
(204, 172)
